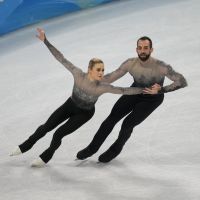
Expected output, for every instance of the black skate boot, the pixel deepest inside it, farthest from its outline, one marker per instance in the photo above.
(109, 155)
(85, 153)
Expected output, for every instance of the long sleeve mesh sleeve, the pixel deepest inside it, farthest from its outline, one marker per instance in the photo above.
(59, 56)
(107, 88)
(178, 80)
(118, 73)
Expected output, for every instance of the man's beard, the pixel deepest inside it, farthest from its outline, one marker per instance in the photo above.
(143, 56)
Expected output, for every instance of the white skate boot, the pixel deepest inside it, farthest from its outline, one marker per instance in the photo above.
(38, 163)
(16, 152)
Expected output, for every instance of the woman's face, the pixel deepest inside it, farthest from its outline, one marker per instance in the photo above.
(97, 72)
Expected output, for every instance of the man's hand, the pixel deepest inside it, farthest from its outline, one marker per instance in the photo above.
(41, 34)
(154, 89)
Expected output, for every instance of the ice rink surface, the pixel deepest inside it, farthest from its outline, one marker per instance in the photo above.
(161, 161)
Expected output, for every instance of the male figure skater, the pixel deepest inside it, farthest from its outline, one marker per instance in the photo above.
(147, 72)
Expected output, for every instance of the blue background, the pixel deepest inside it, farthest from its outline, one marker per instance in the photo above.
(15, 14)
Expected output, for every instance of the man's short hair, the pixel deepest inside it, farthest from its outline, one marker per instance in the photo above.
(146, 38)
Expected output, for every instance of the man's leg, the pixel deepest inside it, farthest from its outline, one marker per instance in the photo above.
(57, 117)
(121, 108)
(141, 111)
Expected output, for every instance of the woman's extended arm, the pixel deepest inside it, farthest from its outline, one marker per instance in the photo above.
(107, 88)
(56, 53)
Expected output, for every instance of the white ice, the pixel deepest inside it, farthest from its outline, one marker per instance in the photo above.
(161, 161)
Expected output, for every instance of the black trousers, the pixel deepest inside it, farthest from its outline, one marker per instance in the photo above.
(76, 118)
(136, 108)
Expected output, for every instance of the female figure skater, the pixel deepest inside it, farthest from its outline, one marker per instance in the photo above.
(79, 107)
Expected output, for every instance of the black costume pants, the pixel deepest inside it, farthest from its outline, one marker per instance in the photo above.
(76, 118)
(136, 108)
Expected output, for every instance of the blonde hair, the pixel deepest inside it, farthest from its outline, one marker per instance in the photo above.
(94, 61)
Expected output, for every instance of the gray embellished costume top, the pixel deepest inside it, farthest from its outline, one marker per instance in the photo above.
(86, 92)
(145, 74)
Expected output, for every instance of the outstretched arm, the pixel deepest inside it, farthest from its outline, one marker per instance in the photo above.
(118, 73)
(57, 54)
(107, 88)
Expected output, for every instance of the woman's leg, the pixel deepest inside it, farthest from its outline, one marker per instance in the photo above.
(57, 117)
(70, 126)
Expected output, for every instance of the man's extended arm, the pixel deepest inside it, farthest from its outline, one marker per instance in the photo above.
(118, 73)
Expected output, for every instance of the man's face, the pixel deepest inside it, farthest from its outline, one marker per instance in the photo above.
(143, 49)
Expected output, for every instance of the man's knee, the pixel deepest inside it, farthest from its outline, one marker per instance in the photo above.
(125, 133)
(114, 117)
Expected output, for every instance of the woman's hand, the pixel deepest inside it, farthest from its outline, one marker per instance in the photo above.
(154, 89)
(41, 34)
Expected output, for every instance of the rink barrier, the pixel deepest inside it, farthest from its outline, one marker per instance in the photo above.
(15, 14)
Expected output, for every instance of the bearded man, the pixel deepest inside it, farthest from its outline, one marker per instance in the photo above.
(148, 73)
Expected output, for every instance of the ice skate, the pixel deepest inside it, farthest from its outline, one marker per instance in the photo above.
(38, 163)
(85, 153)
(109, 155)
(16, 152)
